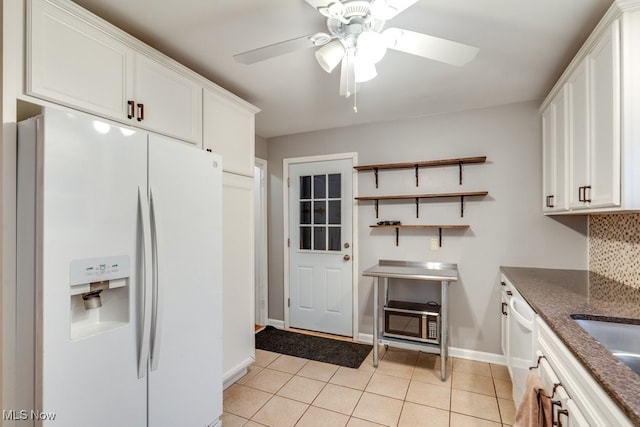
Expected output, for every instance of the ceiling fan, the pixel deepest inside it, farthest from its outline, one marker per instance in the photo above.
(356, 38)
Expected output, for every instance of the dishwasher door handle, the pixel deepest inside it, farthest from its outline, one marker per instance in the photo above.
(526, 323)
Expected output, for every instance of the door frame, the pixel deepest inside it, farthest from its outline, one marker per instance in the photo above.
(261, 249)
(354, 230)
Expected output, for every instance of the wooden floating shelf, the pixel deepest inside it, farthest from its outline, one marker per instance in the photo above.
(416, 226)
(417, 198)
(422, 164)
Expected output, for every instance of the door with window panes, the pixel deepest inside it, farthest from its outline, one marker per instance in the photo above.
(320, 230)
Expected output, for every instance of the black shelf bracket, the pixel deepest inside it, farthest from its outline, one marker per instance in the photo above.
(375, 172)
(416, 175)
(376, 201)
(440, 237)
(461, 206)
(397, 235)
(460, 171)
(417, 207)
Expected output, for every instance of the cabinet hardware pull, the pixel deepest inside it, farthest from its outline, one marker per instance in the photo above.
(588, 200)
(550, 201)
(503, 284)
(504, 305)
(140, 112)
(130, 109)
(581, 194)
(509, 293)
(209, 150)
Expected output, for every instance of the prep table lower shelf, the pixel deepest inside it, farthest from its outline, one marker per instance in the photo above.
(424, 273)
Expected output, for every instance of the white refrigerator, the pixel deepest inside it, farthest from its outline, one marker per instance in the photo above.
(119, 277)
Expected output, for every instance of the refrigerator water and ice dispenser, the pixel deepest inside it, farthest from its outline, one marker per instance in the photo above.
(99, 292)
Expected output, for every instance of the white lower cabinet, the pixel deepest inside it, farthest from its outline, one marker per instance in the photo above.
(583, 402)
(237, 276)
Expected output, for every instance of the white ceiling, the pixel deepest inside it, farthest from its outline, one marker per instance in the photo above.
(524, 47)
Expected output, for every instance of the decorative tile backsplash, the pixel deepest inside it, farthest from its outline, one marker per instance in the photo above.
(614, 247)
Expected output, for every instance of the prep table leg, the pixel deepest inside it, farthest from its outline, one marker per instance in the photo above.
(376, 285)
(444, 347)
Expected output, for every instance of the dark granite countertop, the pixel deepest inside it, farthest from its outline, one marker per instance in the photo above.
(556, 294)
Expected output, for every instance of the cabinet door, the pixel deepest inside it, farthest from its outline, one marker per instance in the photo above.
(229, 130)
(238, 273)
(548, 184)
(167, 102)
(75, 63)
(579, 135)
(604, 159)
(554, 125)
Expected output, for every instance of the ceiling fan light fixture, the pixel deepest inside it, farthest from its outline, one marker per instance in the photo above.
(371, 46)
(364, 70)
(330, 55)
(319, 39)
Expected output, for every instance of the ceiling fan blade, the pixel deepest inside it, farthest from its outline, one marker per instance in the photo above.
(319, 3)
(273, 50)
(436, 48)
(347, 76)
(388, 9)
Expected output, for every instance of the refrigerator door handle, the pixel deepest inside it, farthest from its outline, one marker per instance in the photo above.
(146, 295)
(156, 314)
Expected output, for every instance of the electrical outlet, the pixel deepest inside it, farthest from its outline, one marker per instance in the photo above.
(434, 244)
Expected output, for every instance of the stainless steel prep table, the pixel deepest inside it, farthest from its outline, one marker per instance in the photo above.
(419, 271)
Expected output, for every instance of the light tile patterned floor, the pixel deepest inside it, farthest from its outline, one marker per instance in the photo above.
(405, 390)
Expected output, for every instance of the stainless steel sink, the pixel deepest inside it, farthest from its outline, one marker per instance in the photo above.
(620, 338)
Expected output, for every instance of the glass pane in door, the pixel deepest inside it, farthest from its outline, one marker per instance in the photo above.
(320, 212)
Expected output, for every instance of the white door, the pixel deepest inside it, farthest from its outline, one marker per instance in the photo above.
(89, 174)
(74, 63)
(238, 281)
(185, 371)
(167, 101)
(320, 249)
(604, 77)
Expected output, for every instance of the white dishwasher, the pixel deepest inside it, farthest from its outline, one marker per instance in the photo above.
(521, 340)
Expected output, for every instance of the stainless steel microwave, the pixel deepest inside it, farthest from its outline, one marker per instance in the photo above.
(412, 321)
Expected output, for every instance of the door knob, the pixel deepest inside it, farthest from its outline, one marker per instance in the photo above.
(346, 257)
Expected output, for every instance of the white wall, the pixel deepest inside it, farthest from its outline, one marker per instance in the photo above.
(261, 147)
(506, 228)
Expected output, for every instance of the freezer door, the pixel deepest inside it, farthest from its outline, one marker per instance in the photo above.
(86, 184)
(185, 378)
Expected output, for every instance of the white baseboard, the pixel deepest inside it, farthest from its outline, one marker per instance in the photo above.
(479, 356)
(235, 373)
(276, 323)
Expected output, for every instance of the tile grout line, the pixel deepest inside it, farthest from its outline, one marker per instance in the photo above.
(363, 390)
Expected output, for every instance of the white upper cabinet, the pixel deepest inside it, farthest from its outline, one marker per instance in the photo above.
(78, 60)
(604, 145)
(554, 149)
(166, 101)
(72, 62)
(578, 136)
(228, 130)
(600, 128)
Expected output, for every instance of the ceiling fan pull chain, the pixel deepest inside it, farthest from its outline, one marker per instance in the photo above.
(355, 100)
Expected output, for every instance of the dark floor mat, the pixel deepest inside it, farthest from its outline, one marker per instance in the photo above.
(321, 349)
